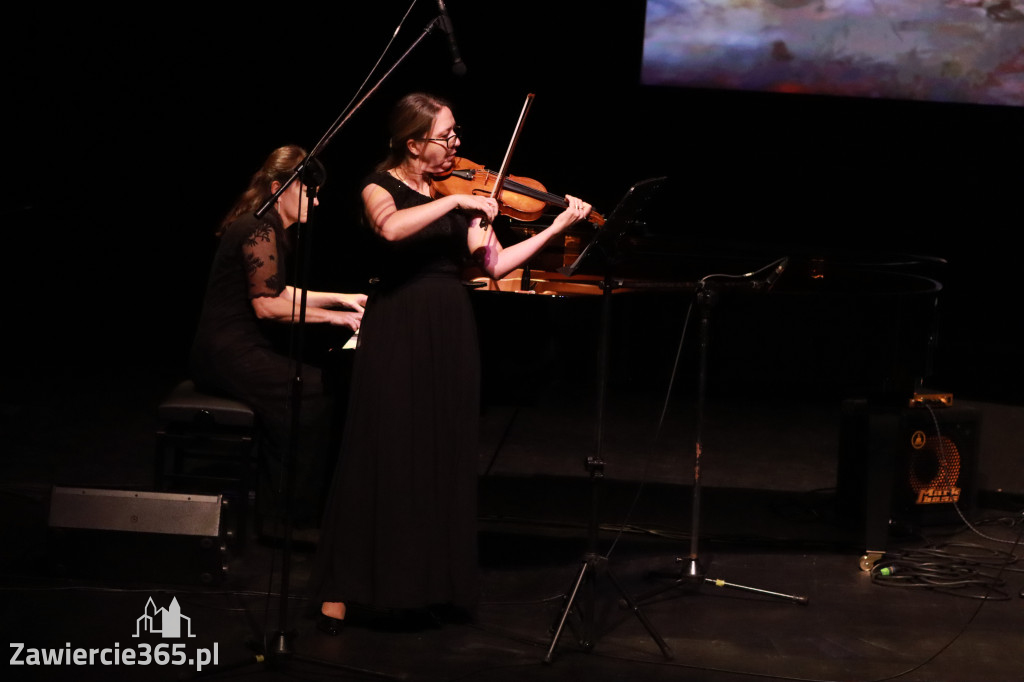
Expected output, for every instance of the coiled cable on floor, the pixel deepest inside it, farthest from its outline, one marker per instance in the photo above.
(962, 570)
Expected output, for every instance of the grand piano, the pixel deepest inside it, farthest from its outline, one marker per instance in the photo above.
(834, 322)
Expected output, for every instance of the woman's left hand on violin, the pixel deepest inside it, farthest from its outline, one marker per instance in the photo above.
(576, 211)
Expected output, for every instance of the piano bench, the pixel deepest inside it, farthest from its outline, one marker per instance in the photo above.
(207, 443)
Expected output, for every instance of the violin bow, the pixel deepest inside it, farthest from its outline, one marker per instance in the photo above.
(503, 171)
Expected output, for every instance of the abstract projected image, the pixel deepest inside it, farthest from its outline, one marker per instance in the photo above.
(935, 50)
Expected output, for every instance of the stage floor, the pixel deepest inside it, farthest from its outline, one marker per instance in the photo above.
(767, 521)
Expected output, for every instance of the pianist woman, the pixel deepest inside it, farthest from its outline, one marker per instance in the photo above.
(234, 351)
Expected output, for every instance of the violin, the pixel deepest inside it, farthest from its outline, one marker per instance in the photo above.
(520, 198)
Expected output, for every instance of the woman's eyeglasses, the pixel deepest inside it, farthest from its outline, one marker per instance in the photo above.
(446, 141)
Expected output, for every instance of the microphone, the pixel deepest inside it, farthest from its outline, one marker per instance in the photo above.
(757, 280)
(776, 272)
(312, 172)
(458, 67)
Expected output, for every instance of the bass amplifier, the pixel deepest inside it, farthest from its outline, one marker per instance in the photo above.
(903, 468)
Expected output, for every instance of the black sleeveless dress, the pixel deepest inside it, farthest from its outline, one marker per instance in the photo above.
(400, 529)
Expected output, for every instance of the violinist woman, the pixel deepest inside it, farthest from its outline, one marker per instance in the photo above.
(400, 529)
(234, 350)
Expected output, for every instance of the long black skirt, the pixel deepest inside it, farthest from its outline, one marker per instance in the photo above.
(400, 528)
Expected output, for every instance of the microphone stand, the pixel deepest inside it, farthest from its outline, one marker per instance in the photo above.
(276, 643)
(692, 572)
(344, 117)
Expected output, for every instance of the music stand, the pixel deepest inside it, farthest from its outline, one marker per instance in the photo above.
(625, 216)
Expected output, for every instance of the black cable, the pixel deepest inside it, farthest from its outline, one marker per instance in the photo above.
(961, 570)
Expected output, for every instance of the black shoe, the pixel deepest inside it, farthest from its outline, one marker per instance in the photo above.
(330, 626)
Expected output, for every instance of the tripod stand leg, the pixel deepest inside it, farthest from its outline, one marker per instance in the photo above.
(693, 577)
(718, 582)
(567, 606)
(666, 651)
(587, 638)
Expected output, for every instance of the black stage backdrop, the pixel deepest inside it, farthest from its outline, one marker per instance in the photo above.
(129, 133)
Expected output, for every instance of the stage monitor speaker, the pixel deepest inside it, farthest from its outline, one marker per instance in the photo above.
(904, 468)
(137, 536)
